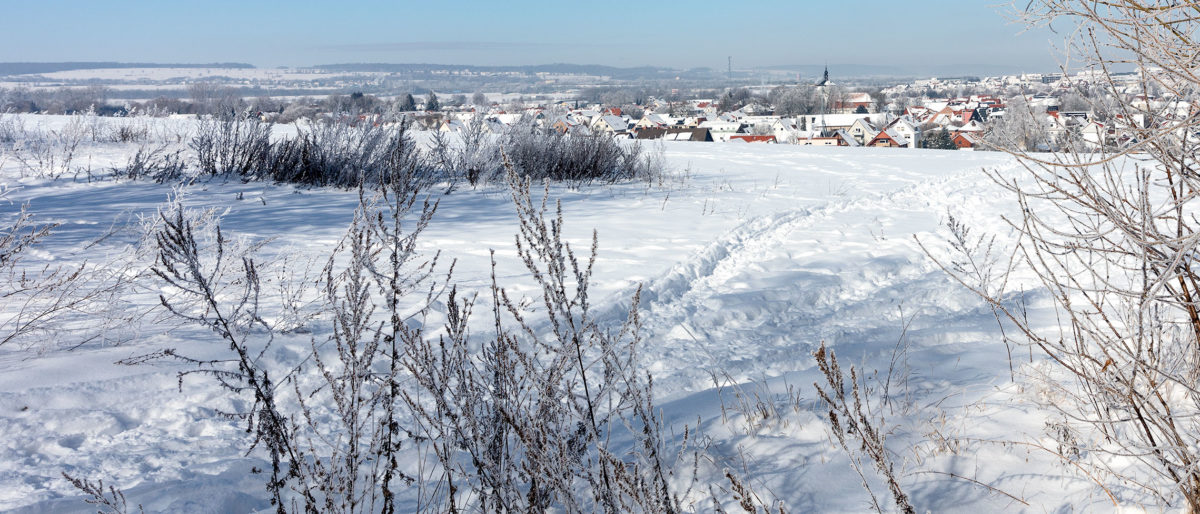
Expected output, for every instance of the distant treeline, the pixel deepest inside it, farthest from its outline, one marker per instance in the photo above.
(574, 69)
(27, 68)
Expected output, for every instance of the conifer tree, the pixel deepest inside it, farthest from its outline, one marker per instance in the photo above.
(939, 140)
(408, 104)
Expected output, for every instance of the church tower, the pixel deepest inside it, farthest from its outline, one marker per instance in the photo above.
(824, 79)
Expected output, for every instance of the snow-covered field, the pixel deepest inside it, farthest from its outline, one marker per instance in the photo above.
(749, 255)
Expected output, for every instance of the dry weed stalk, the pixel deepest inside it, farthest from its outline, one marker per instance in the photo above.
(853, 421)
(60, 306)
(109, 500)
(552, 413)
(534, 421)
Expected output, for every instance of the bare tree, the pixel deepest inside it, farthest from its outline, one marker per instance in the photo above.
(1021, 128)
(1113, 239)
(791, 101)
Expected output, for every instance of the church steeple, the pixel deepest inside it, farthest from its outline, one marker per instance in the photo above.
(824, 101)
(824, 79)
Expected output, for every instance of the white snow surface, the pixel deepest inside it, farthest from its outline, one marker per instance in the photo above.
(749, 255)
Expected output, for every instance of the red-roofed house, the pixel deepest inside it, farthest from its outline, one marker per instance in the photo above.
(889, 138)
(967, 139)
(752, 138)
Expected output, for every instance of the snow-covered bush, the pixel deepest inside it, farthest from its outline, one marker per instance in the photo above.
(158, 163)
(523, 420)
(574, 157)
(350, 153)
(561, 418)
(129, 133)
(472, 154)
(330, 153)
(50, 306)
(12, 129)
(232, 145)
(48, 153)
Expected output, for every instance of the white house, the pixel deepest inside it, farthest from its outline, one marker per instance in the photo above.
(721, 129)
(652, 120)
(862, 130)
(786, 130)
(906, 130)
(610, 124)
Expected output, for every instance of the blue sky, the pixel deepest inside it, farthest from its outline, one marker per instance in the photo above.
(620, 33)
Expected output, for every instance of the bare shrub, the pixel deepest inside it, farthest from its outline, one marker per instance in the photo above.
(333, 442)
(218, 287)
(356, 446)
(532, 422)
(129, 133)
(12, 128)
(472, 154)
(332, 153)
(50, 306)
(349, 153)
(157, 163)
(756, 404)
(576, 158)
(232, 145)
(49, 154)
(535, 419)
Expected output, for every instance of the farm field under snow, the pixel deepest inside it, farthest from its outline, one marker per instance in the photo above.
(749, 256)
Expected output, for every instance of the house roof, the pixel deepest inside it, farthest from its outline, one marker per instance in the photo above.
(967, 139)
(616, 122)
(846, 138)
(859, 98)
(841, 120)
(566, 120)
(753, 138)
(971, 126)
(867, 126)
(675, 134)
(890, 134)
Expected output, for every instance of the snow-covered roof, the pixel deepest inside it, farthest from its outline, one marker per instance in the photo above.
(859, 98)
(896, 136)
(847, 138)
(971, 126)
(866, 124)
(720, 124)
(840, 120)
(616, 122)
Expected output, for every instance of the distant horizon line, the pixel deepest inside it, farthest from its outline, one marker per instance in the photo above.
(885, 69)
